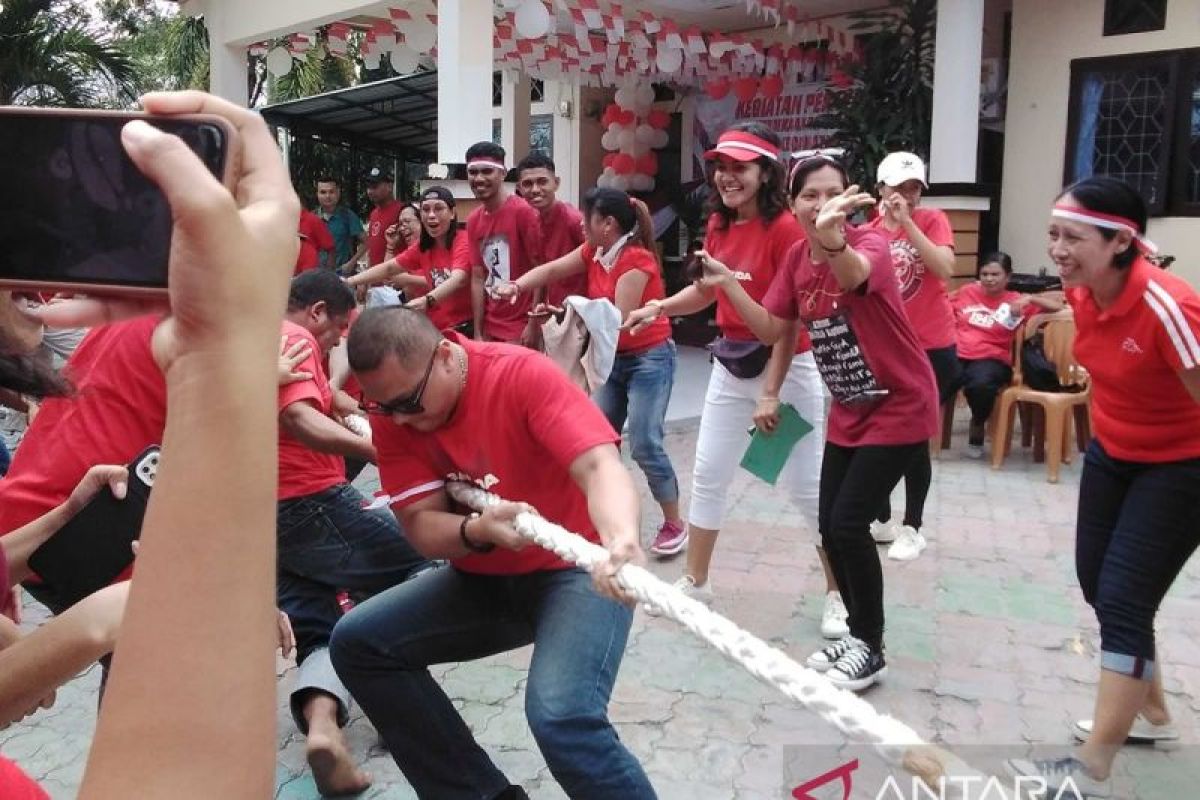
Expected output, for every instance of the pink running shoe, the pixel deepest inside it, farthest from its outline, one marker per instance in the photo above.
(672, 537)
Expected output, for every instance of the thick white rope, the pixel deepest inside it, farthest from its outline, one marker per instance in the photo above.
(856, 718)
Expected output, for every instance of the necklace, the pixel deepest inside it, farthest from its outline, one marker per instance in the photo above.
(462, 366)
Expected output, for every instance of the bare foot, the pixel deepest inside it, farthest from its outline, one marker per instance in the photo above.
(332, 766)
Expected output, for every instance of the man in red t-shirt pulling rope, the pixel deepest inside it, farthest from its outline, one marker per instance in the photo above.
(507, 419)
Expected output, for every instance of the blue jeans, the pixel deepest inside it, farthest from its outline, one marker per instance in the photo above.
(640, 387)
(383, 647)
(328, 543)
(5, 459)
(1137, 527)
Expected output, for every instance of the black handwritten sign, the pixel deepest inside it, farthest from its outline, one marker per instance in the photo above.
(840, 361)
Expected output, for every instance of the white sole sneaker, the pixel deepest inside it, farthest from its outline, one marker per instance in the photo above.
(884, 532)
(833, 618)
(908, 546)
(1142, 732)
(858, 684)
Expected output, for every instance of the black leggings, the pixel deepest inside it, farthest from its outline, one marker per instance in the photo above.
(919, 474)
(855, 480)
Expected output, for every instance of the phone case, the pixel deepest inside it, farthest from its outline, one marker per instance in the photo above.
(96, 545)
(117, 289)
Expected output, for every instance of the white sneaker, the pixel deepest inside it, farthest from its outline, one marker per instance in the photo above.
(687, 584)
(908, 544)
(883, 532)
(833, 618)
(1142, 732)
(975, 451)
(1064, 777)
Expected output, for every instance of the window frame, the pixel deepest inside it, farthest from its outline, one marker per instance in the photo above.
(1180, 64)
(1110, 25)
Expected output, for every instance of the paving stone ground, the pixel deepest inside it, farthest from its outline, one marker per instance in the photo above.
(989, 643)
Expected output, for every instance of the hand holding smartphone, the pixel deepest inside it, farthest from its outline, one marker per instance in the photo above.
(88, 220)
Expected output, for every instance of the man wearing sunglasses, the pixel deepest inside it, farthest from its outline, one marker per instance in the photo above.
(327, 541)
(506, 418)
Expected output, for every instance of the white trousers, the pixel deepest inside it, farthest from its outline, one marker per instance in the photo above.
(728, 413)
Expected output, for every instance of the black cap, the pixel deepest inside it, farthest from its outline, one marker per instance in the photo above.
(439, 193)
(376, 175)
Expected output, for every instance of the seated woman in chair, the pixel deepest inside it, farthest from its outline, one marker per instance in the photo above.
(987, 317)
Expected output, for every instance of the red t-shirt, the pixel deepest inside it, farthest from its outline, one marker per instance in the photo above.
(755, 251)
(435, 266)
(1134, 352)
(517, 411)
(16, 785)
(562, 232)
(314, 238)
(924, 293)
(880, 378)
(381, 218)
(986, 324)
(602, 283)
(118, 409)
(302, 470)
(506, 244)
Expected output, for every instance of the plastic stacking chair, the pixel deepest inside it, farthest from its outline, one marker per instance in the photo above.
(1060, 409)
(1026, 424)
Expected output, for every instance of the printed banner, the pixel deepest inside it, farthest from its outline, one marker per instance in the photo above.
(791, 115)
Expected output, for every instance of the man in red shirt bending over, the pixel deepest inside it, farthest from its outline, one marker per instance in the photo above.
(434, 401)
(327, 540)
(562, 224)
(505, 238)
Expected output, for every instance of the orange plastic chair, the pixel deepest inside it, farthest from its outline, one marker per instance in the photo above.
(1060, 409)
(958, 399)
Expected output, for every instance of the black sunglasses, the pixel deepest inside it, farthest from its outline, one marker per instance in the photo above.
(409, 405)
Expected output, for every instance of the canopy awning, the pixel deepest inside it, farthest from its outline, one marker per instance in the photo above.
(396, 115)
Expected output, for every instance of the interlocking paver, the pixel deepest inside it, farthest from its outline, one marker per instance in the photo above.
(988, 638)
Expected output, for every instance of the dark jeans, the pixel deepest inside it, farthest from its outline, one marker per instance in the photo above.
(639, 389)
(383, 647)
(327, 543)
(982, 380)
(855, 480)
(1137, 527)
(919, 474)
(5, 459)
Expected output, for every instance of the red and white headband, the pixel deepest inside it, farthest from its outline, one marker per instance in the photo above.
(1112, 222)
(486, 162)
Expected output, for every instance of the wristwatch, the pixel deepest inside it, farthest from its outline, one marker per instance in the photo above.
(474, 547)
(431, 300)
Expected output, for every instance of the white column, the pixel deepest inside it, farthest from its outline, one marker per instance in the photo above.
(464, 77)
(226, 62)
(514, 116)
(955, 135)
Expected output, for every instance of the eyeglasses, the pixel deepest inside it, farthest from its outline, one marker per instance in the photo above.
(802, 157)
(408, 406)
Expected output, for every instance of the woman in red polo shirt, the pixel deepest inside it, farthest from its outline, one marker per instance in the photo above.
(621, 266)
(839, 282)
(988, 315)
(435, 270)
(750, 229)
(1138, 336)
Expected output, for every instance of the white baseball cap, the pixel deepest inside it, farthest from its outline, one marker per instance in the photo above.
(899, 167)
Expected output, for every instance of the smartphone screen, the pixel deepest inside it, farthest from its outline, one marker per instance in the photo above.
(77, 210)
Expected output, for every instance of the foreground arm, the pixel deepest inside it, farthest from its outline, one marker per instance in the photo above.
(201, 614)
(615, 508)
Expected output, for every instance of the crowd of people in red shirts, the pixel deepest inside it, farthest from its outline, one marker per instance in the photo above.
(269, 388)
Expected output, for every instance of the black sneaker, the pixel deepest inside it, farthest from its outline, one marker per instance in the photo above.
(858, 668)
(824, 659)
(512, 793)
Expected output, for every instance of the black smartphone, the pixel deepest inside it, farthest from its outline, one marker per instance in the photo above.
(96, 545)
(79, 213)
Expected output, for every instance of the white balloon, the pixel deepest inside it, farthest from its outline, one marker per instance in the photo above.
(625, 97)
(532, 19)
(603, 182)
(510, 4)
(404, 59)
(645, 134)
(639, 149)
(420, 34)
(279, 61)
(645, 94)
(661, 139)
(620, 182)
(609, 140)
(615, 127)
(669, 60)
(626, 140)
(641, 183)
